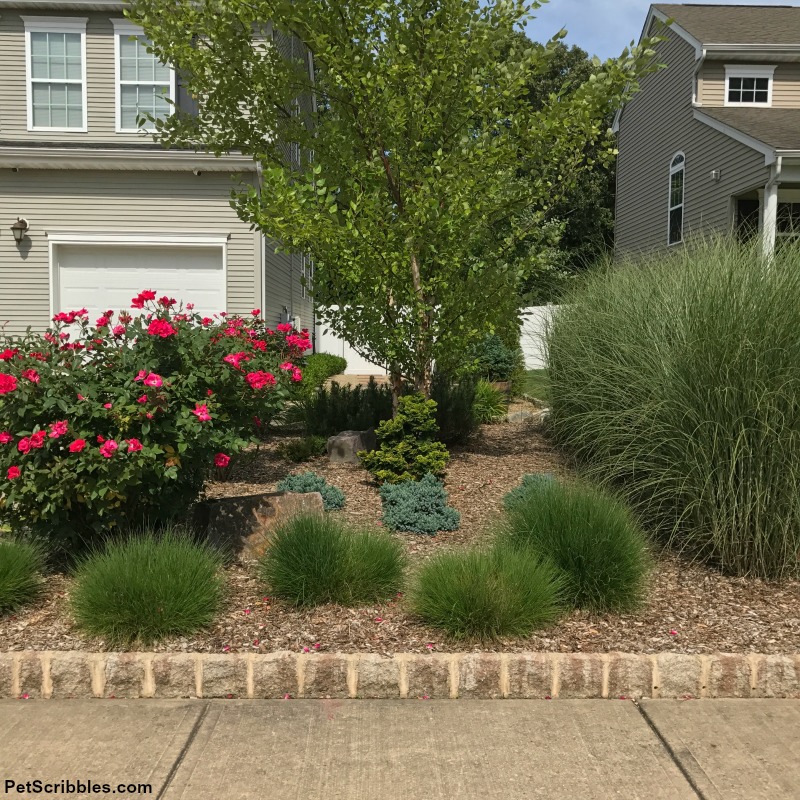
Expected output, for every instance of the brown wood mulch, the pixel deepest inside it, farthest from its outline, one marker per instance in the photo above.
(689, 608)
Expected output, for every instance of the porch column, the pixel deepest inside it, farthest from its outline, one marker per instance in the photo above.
(770, 224)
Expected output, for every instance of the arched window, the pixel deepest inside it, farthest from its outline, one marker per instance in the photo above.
(676, 182)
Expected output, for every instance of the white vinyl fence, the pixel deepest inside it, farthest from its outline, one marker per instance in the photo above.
(534, 323)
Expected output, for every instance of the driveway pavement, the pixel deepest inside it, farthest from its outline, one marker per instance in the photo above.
(402, 750)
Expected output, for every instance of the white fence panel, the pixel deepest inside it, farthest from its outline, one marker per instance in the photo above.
(534, 324)
(329, 342)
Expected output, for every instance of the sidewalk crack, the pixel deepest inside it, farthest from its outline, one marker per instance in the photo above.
(184, 750)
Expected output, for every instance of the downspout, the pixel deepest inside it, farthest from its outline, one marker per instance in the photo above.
(262, 243)
(695, 73)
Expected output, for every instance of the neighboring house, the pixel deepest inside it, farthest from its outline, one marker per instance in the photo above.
(711, 143)
(110, 212)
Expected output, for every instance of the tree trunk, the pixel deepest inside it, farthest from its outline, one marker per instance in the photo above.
(424, 376)
(396, 382)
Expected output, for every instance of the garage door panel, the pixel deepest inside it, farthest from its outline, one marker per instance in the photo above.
(100, 277)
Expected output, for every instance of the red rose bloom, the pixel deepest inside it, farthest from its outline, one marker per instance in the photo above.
(162, 328)
(13, 472)
(77, 446)
(221, 460)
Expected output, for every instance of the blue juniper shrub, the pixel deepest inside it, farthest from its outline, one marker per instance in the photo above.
(418, 507)
(332, 497)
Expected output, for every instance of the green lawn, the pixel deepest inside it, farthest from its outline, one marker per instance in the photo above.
(536, 384)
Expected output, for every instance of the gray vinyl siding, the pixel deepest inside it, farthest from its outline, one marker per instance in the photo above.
(105, 201)
(100, 80)
(655, 125)
(785, 89)
(282, 279)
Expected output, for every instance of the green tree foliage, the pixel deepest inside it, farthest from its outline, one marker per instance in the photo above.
(424, 143)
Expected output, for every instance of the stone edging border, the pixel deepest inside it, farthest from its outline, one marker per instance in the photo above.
(75, 674)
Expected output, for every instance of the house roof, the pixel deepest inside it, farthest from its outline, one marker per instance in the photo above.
(777, 127)
(726, 24)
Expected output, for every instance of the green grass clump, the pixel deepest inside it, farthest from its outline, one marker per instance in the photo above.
(20, 567)
(490, 404)
(332, 497)
(314, 560)
(677, 379)
(299, 450)
(590, 536)
(485, 595)
(530, 484)
(146, 587)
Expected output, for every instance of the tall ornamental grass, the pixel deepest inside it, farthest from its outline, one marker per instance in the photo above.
(677, 378)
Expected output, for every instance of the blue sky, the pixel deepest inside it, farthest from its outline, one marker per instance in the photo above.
(604, 27)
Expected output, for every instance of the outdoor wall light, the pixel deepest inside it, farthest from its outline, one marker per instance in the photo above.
(716, 175)
(19, 229)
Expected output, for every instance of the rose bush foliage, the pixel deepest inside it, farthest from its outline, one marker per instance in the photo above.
(124, 419)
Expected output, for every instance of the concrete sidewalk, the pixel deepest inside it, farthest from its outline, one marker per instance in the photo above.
(407, 750)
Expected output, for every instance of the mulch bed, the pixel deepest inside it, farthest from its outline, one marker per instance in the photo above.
(689, 608)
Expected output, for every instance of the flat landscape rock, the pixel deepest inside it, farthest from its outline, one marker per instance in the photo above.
(345, 446)
(246, 524)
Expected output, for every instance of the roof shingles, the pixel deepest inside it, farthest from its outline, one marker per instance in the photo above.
(777, 127)
(726, 24)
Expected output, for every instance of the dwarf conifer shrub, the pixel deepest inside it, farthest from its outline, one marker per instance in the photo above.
(314, 560)
(418, 507)
(455, 413)
(677, 379)
(408, 447)
(147, 586)
(477, 594)
(332, 497)
(316, 369)
(590, 536)
(20, 566)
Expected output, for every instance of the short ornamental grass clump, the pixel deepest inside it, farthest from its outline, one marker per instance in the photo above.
(487, 594)
(677, 380)
(490, 404)
(146, 587)
(590, 536)
(418, 507)
(20, 567)
(314, 560)
(332, 497)
(530, 485)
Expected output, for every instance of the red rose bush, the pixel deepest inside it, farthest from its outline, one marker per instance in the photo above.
(123, 420)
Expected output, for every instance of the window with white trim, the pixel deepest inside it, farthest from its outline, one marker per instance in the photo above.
(144, 84)
(748, 85)
(677, 172)
(55, 67)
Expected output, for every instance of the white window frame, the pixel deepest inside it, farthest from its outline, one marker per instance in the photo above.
(55, 25)
(674, 169)
(124, 27)
(749, 71)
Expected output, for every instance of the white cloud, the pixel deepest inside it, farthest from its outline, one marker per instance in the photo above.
(603, 27)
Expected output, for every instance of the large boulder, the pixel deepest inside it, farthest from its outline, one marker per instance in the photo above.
(244, 525)
(344, 447)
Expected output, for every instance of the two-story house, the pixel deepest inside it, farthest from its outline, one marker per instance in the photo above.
(104, 210)
(711, 143)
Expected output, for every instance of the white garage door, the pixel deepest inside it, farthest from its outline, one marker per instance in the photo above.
(103, 276)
